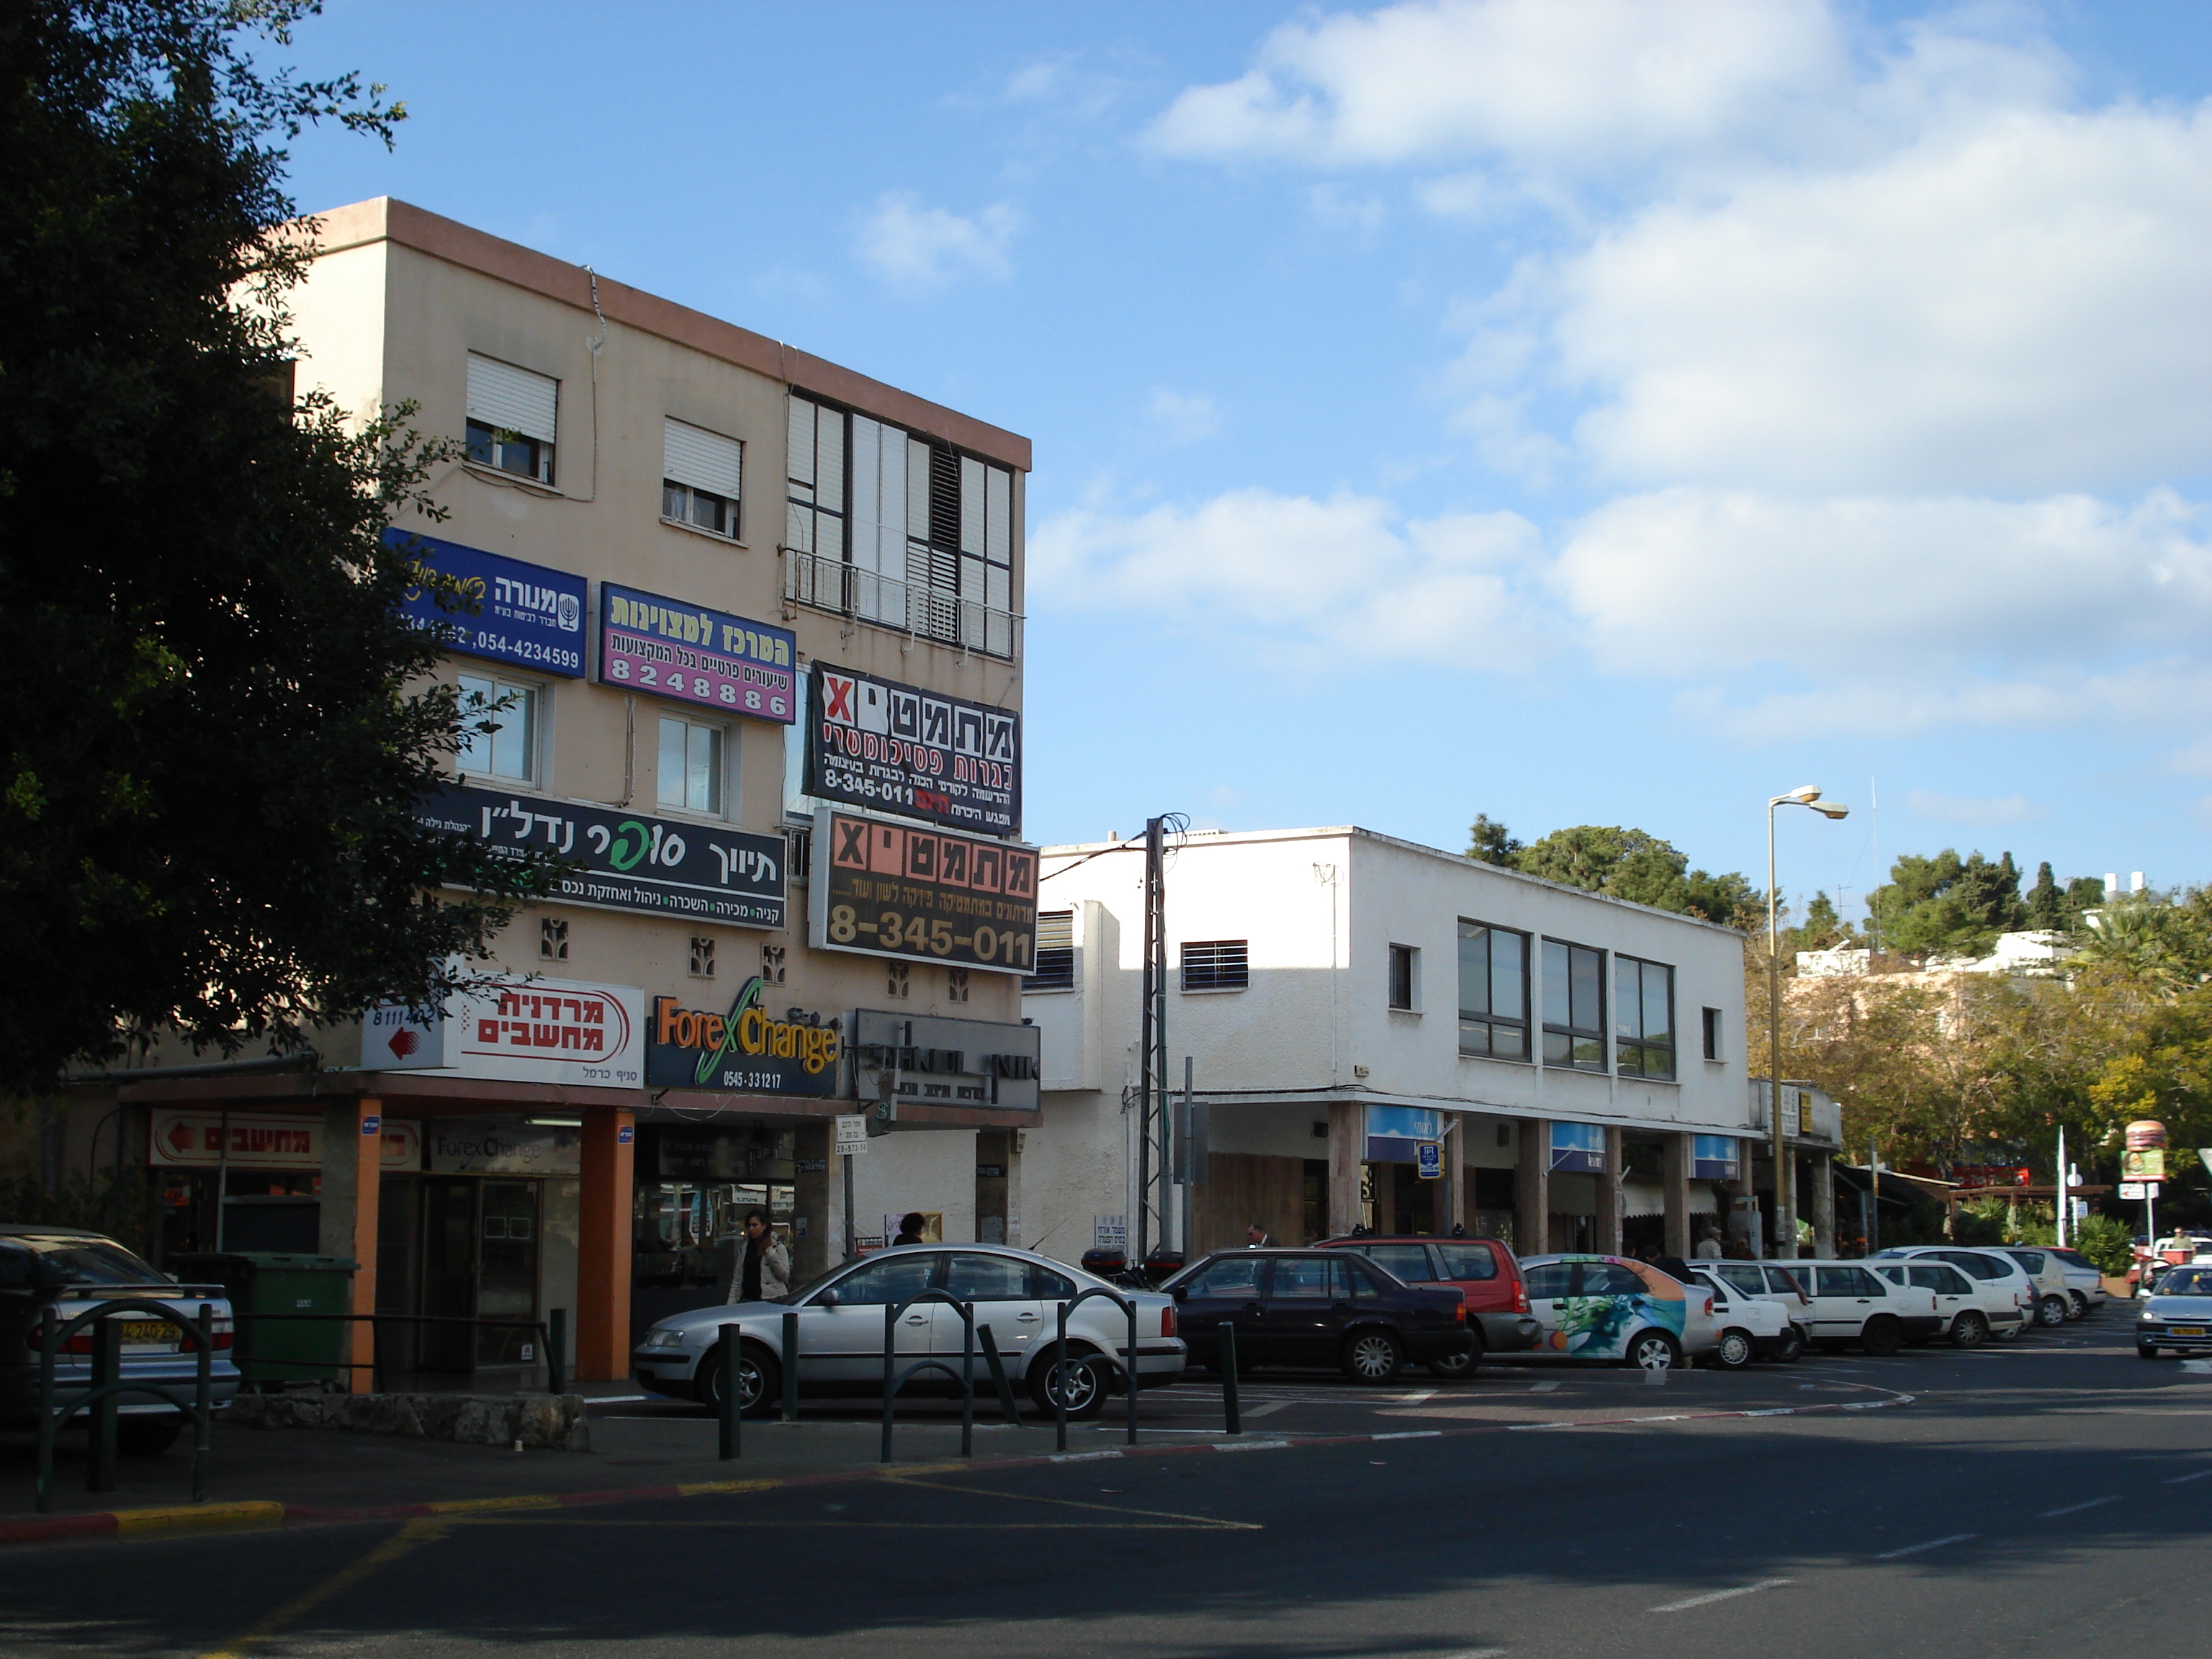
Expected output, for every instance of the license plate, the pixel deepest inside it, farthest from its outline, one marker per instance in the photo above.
(2184, 1330)
(141, 1331)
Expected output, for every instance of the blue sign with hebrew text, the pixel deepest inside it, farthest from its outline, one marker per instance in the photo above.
(523, 613)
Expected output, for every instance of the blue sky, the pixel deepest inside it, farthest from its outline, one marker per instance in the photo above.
(1613, 412)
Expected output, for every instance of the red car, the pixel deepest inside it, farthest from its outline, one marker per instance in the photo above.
(1482, 1270)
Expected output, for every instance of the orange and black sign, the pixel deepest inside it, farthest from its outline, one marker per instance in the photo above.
(745, 1050)
(896, 889)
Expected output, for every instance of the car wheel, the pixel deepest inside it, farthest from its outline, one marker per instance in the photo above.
(148, 1435)
(1086, 1384)
(1654, 1351)
(1372, 1357)
(1969, 1330)
(2081, 1305)
(2143, 1353)
(760, 1381)
(1881, 1337)
(1790, 1345)
(1734, 1351)
(1457, 1367)
(2051, 1311)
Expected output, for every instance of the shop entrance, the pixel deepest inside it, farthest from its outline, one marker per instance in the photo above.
(481, 1239)
(1394, 1200)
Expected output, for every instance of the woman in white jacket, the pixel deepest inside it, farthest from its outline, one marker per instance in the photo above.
(763, 1272)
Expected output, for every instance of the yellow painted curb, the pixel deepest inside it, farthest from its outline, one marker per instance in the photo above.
(708, 1488)
(479, 1505)
(133, 1523)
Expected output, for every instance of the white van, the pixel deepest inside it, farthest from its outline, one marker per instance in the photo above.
(1848, 1303)
(1971, 1308)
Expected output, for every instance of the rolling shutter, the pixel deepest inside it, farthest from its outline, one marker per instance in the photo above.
(704, 460)
(511, 399)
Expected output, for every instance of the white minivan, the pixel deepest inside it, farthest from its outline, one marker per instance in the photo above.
(1971, 1309)
(1849, 1305)
(1990, 1267)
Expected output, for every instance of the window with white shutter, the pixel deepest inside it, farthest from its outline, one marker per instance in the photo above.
(512, 418)
(699, 472)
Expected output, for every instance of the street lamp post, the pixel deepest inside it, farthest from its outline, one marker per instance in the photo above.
(1785, 1219)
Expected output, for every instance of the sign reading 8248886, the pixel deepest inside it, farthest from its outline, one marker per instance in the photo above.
(894, 889)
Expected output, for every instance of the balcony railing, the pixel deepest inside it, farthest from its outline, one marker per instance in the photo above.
(918, 609)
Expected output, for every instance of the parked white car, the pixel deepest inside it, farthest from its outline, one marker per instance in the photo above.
(2054, 1297)
(1747, 1328)
(2083, 1282)
(1853, 1305)
(1990, 1266)
(1971, 1308)
(1771, 1280)
(840, 1331)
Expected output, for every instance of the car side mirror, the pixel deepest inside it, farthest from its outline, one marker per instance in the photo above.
(827, 1299)
(1179, 1291)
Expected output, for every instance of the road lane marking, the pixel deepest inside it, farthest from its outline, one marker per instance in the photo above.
(1213, 1521)
(1545, 1387)
(1723, 1595)
(2179, 1480)
(2076, 1509)
(405, 1541)
(1932, 1544)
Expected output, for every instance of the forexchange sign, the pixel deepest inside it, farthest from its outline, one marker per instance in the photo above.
(730, 664)
(524, 614)
(746, 1050)
(623, 860)
(876, 743)
(886, 889)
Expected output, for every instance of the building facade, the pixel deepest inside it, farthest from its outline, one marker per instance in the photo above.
(747, 656)
(1347, 999)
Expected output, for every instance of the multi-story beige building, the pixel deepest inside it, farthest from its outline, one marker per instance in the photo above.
(698, 551)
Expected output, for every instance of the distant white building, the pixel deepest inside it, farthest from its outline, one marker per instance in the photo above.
(1345, 997)
(2034, 953)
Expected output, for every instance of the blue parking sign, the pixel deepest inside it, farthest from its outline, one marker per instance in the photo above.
(1429, 1160)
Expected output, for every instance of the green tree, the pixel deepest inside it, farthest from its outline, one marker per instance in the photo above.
(1947, 906)
(1636, 865)
(1490, 841)
(216, 722)
(2046, 905)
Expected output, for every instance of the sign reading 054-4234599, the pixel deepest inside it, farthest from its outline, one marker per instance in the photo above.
(896, 889)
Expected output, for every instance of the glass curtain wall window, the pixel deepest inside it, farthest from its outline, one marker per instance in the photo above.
(1574, 1006)
(1493, 992)
(499, 726)
(1644, 1018)
(690, 765)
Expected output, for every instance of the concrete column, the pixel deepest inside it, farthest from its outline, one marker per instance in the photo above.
(1347, 1150)
(1675, 1182)
(1453, 1213)
(1824, 1207)
(602, 1250)
(818, 1197)
(1532, 1189)
(1610, 1202)
(353, 1159)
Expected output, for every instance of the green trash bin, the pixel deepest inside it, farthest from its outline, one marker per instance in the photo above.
(282, 1351)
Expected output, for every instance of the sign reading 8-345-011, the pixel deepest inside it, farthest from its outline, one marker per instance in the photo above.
(896, 889)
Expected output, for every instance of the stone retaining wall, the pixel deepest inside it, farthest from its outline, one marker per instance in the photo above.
(538, 1421)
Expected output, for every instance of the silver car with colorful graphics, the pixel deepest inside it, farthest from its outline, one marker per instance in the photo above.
(1611, 1308)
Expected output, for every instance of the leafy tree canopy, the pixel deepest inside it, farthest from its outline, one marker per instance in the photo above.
(215, 721)
(1636, 865)
(1490, 840)
(1946, 905)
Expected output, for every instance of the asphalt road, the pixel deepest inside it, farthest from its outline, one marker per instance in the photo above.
(2053, 1496)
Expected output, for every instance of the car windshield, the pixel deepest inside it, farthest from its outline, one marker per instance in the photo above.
(2186, 1282)
(95, 1261)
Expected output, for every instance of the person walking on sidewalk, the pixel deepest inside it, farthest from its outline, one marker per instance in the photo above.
(764, 1269)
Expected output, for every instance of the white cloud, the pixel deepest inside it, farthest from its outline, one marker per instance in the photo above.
(1290, 573)
(2017, 307)
(1185, 417)
(920, 246)
(1967, 809)
(1546, 82)
(1690, 582)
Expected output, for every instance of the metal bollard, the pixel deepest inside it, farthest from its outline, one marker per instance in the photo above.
(967, 1379)
(791, 1367)
(1232, 1420)
(1133, 1371)
(998, 1368)
(556, 1350)
(107, 1368)
(203, 1399)
(1060, 1380)
(732, 1442)
(49, 1322)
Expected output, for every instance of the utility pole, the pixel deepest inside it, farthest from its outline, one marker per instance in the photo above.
(1153, 1115)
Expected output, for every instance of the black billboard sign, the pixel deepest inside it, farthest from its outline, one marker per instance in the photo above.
(744, 1049)
(927, 1060)
(872, 742)
(897, 890)
(623, 860)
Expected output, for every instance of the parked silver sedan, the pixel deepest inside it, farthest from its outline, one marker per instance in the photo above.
(1016, 1293)
(2177, 1316)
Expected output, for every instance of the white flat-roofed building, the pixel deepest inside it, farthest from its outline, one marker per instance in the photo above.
(1344, 997)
